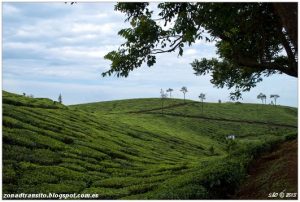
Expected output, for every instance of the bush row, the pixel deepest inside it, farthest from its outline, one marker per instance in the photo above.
(216, 179)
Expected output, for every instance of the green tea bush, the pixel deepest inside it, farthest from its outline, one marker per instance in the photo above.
(9, 174)
(255, 148)
(39, 156)
(116, 154)
(211, 150)
(10, 101)
(223, 177)
(34, 177)
(107, 193)
(87, 152)
(11, 123)
(15, 139)
(68, 140)
(9, 188)
(73, 166)
(45, 157)
(27, 166)
(291, 136)
(58, 188)
(216, 180)
(190, 191)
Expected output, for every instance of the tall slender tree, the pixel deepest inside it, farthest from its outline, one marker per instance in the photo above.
(60, 98)
(262, 97)
(202, 97)
(265, 98)
(184, 91)
(170, 91)
(274, 96)
(163, 96)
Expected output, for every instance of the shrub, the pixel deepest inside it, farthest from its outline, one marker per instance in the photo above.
(230, 145)
(9, 188)
(68, 140)
(66, 187)
(291, 136)
(9, 174)
(107, 193)
(211, 150)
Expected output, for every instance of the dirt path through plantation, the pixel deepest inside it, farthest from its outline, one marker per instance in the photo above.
(273, 175)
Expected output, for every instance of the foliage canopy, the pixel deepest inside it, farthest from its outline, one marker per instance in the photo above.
(252, 39)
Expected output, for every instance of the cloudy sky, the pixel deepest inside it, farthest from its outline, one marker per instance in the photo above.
(53, 48)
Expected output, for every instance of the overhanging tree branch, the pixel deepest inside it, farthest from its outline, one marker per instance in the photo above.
(251, 37)
(157, 51)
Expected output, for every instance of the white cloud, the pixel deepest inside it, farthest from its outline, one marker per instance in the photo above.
(40, 29)
(204, 42)
(9, 10)
(79, 38)
(92, 28)
(94, 16)
(190, 52)
(77, 52)
(22, 46)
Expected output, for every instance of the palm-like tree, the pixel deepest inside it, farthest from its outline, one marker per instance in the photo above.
(163, 96)
(184, 91)
(169, 91)
(274, 96)
(265, 98)
(262, 97)
(202, 97)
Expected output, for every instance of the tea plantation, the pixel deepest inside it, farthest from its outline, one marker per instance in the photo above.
(128, 149)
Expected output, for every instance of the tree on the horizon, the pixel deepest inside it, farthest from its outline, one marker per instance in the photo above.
(170, 91)
(252, 39)
(163, 96)
(202, 97)
(184, 91)
(262, 97)
(60, 98)
(274, 96)
(265, 98)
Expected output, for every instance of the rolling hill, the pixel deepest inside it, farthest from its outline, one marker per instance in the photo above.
(128, 149)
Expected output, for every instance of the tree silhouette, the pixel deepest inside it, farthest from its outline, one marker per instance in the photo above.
(169, 91)
(274, 96)
(184, 91)
(163, 96)
(248, 38)
(265, 98)
(262, 97)
(202, 97)
(60, 98)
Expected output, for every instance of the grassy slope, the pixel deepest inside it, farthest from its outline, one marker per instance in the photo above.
(100, 148)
